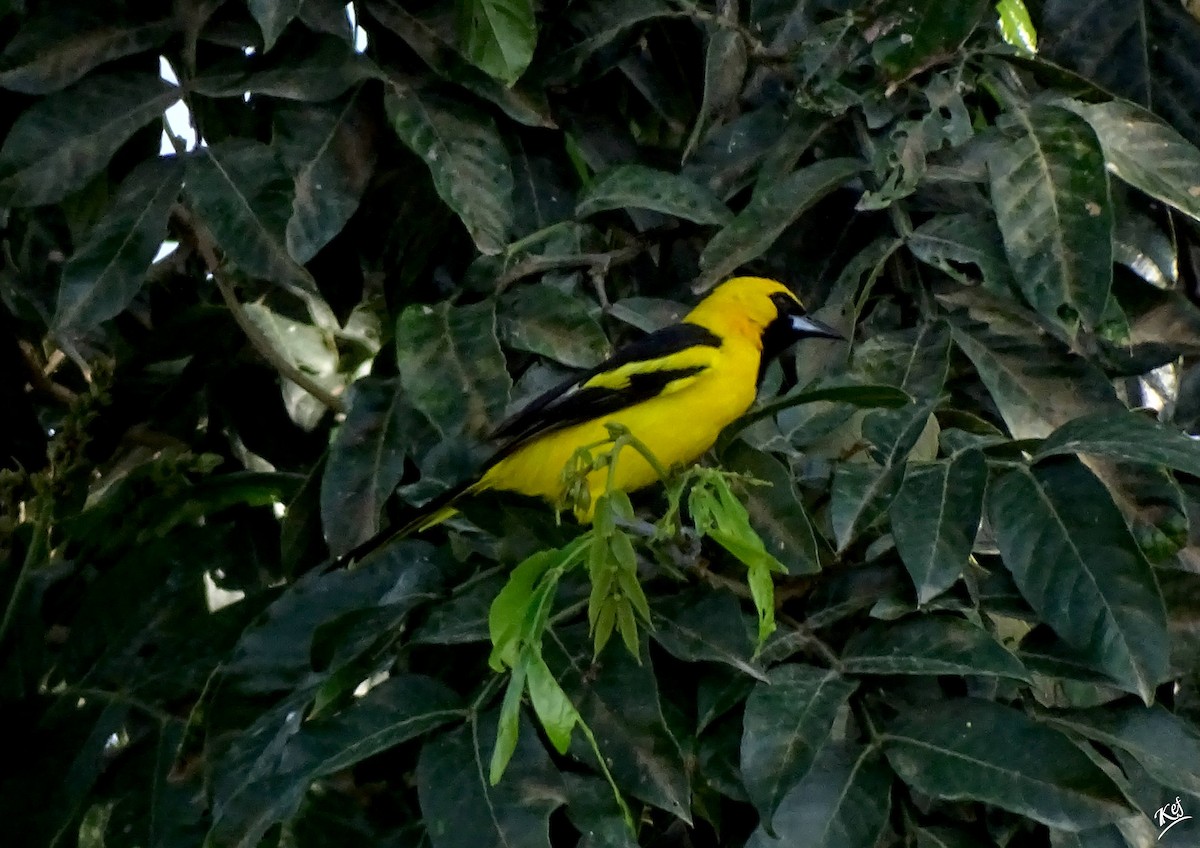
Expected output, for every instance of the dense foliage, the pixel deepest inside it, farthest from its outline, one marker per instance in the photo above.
(945, 591)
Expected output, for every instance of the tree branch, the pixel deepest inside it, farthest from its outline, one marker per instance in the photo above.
(205, 246)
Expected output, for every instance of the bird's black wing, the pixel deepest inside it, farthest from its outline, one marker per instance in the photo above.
(637, 372)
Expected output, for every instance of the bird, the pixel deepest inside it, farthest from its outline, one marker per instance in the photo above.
(674, 390)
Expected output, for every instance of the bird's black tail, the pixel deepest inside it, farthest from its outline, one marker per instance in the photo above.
(418, 520)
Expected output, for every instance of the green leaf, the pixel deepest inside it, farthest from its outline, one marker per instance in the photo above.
(1128, 436)
(945, 240)
(618, 698)
(772, 210)
(273, 16)
(1074, 560)
(1050, 192)
(788, 720)
(842, 802)
(49, 53)
(330, 153)
(776, 511)
(104, 275)
(243, 194)
(967, 749)
(930, 644)
(600, 23)
(724, 72)
(866, 396)
(921, 35)
(275, 782)
(511, 607)
(498, 36)
(1015, 25)
(1036, 384)
(65, 139)
(708, 627)
(1167, 746)
(308, 73)
(452, 786)
(1146, 152)
(551, 704)
(542, 319)
(935, 516)
(366, 461)
(437, 46)
(648, 188)
(594, 812)
(466, 156)
(860, 494)
(452, 367)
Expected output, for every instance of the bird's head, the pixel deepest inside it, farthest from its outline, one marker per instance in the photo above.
(761, 310)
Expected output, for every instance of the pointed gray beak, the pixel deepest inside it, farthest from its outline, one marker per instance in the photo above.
(803, 325)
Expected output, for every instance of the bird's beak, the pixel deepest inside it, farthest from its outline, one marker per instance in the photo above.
(804, 325)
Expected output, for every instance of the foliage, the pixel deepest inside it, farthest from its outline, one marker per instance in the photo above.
(943, 589)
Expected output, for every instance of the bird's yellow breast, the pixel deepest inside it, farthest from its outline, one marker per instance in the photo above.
(677, 427)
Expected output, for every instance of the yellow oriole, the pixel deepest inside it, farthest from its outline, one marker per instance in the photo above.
(675, 390)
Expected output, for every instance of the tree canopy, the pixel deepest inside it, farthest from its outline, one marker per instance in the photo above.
(271, 270)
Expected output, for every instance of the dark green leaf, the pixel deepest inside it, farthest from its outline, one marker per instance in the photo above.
(788, 720)
(315, 73)
(594, 812)
(63, 140)
(776, 510)
(968, 749)
(1036, 384)
(1167, 746)
(930, 644)
(647, 188)
(772, 210)
(599, 23)
(1126, 436)
(618, 698)
(1051, 196)
(366, 462)
(842, 802)
(451, 781)
(919, 35)
(307, 348)
(242, 192)
(1074, 560)
(273, 16)
(945, 240)
(935, 516)
(465, 154)
(542, 319)
(452, 367)
(499, 36)
(104, 275)
(861, 494)
(50, 53)
(330, 152)
(708, 626)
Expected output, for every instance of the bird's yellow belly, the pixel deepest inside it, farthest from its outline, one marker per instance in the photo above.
(677, 428)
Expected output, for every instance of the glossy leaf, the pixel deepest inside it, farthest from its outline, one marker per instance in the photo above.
(777, 512)
(789, 717)
(969, 749)
(273, 16)
(1072, 557)
(709, 627)
(646, 188)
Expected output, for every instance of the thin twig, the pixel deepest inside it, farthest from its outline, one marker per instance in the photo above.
(39, 376)
(258, 340)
